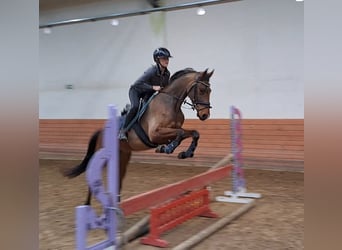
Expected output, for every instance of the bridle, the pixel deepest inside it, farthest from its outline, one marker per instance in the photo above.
(195, 101)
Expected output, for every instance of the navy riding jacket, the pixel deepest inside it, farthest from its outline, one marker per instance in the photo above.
(152, 76)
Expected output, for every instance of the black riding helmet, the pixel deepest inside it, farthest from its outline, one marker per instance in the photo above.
(161, 52)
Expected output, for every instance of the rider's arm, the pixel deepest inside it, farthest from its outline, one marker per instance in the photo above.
(145, 82)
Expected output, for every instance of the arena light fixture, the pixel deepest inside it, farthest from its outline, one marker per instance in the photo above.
(47, 31)
(200, 11)
(114, 22)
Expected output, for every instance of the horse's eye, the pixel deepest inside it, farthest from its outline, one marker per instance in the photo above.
(203, 91)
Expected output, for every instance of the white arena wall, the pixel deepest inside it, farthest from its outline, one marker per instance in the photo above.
(255, 47)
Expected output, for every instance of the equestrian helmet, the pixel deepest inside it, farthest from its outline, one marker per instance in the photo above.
(161, 52)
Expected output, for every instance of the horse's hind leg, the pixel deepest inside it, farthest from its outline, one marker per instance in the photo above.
(125, 156)
(190, 151)
(88, 200)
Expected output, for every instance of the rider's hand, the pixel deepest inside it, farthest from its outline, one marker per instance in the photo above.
(156, 88)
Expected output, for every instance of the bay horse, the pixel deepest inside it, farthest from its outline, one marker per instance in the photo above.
(160, 126)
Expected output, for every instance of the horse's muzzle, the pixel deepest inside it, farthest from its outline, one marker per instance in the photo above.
(203, 110)
(203, 117)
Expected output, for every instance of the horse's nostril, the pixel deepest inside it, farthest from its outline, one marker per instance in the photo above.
(205, 116)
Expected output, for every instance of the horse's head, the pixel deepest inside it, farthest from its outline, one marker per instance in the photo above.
(196, 86)
(199, 93)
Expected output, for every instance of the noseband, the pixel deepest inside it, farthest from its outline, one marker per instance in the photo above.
(195, 101)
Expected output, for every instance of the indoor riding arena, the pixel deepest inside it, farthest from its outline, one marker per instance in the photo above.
(247, 67)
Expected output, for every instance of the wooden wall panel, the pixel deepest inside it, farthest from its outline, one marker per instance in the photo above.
(267, 143)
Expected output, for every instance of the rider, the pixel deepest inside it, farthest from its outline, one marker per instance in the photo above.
(154, 79)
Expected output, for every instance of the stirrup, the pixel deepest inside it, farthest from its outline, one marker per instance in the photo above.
(122, 135)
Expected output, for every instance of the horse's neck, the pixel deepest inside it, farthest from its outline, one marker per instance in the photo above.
(179, 87)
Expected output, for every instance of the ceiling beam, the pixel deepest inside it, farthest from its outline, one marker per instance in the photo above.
(154, 3)
(135, 13)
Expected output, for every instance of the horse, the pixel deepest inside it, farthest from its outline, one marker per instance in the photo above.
(160, 126)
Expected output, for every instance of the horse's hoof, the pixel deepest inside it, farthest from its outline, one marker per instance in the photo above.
(160, 149)
(181, 155)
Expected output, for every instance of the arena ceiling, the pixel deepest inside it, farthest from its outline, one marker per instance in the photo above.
(50, 4)
(155, 5)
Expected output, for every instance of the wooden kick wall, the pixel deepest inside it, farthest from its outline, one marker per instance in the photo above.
(267, 143)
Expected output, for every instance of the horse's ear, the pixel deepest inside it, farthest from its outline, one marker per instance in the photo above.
(206, 75)
(203, 74)
(211, 73)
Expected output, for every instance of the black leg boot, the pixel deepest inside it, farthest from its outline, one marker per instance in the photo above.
(123, 131)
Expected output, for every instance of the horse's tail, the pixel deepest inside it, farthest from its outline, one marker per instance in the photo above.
(79, 169)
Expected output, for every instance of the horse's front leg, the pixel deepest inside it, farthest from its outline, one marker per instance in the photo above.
(180, 134)
(169, 148)
(191, 149)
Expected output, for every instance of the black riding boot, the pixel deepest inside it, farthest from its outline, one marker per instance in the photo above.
(123, 130)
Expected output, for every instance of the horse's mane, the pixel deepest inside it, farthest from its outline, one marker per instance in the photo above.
(181, 73)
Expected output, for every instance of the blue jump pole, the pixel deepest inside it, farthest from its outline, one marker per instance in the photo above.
(238, 193)
(86, 217)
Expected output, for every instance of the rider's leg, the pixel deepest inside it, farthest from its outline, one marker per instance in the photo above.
(131, 114)
(134, 98)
